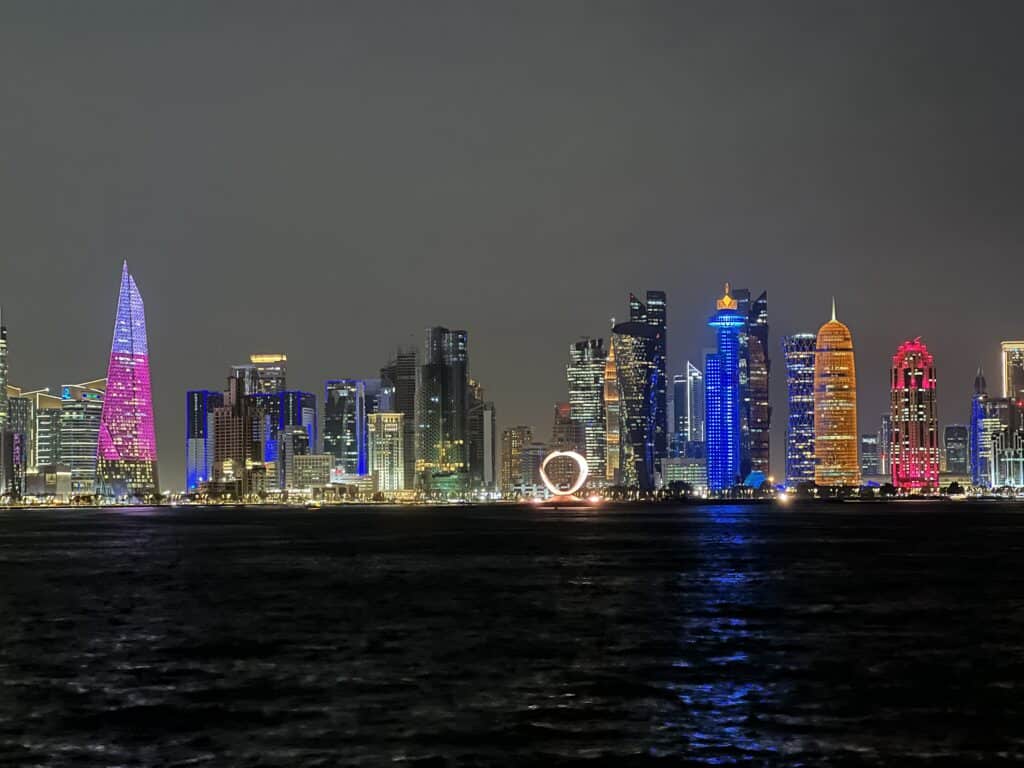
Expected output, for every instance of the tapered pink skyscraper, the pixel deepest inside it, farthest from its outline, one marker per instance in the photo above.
(126, 452)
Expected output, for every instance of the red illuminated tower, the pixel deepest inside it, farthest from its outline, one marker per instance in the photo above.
(915, 432)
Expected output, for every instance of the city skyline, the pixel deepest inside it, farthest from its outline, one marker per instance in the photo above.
(477, 212)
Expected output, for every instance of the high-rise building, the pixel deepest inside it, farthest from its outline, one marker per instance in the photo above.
(835, 407)
(565, 435)
(754, 370)
(79, 428)
(983, 428)
(1012, 353)
(657, 319)
(442, 406)
(236, 468)
(680, 422)
(292, 441)
(127, 459)
(722, 396)
(585, 374)
(798, 351)
(3, 370)
(386, 460)
(481, 423)
(1007, 441)
(199, 408)
(513, 439)
(637, 366)
(694, 403)
(885, 446)
(345, 420)
(955, 439)
(400, 375)
(915, 429)
(13, 463)
(869, 464)
(612, 419)
(21, 418)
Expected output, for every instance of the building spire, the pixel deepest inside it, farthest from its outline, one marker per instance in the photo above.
(833, 309)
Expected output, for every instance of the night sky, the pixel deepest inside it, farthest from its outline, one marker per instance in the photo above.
(326, 180)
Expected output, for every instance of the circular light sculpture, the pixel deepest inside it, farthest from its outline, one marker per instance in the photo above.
(580, 480)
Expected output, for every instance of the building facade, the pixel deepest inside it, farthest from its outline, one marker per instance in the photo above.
(442, 407)
(798, 351)
(913, 410)
(513, 439)
(200, 405)
(585, 375)
(722, 396)
(835, 407)
(400, 375)
(345, 420)
(387, 462)
(1012, 354)
(956, 441)
(638, 373)
(79, 428)
(127, 458)
(870, 465)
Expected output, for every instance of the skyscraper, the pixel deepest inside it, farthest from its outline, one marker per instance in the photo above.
(869, 455)
(835, 407)
(1012, 353)
(481, 424)
(656, 317)
(915, 430)
(722, 396)
(755, 367)
(513, 440)
(612, 419)
(345, 422)
(885, 445)
(386, 460)
(983, 427)
(400, 375)
(442, 405)
(694, 403)
(585, 374)
(3, 370)
(638, 375)
(46, 435)
(291, 442)
(798, 351)
(1007, 441)
(199, 408)
(127, 460)
(79, 428)
(956, 440)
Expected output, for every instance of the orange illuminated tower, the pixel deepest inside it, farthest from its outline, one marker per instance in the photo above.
(835, 407)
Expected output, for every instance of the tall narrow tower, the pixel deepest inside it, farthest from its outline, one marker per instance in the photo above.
(126, 449)
(835, 407)
(915, 428)
(722, 396)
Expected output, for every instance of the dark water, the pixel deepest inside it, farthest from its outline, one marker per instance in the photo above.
(851, 635)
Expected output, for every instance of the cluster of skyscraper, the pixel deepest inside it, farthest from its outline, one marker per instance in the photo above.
(906, 451)
(421, 426)
(96, 438)
(710, 429)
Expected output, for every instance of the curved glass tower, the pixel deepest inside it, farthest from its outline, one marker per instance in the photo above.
(835, 407)
(126, 463)
(722, 396)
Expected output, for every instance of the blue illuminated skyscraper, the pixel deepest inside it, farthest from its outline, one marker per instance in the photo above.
(345, 425)
(798, 351)
(722, 396)
(199, 406)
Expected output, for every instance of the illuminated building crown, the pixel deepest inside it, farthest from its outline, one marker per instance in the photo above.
(727, 301)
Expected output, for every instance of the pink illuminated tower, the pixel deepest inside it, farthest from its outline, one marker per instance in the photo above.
(126, 451)
(915, 431)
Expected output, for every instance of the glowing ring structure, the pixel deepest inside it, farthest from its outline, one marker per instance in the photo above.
(580, 462)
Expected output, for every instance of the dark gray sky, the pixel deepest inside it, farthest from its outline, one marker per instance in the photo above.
(328, 179)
